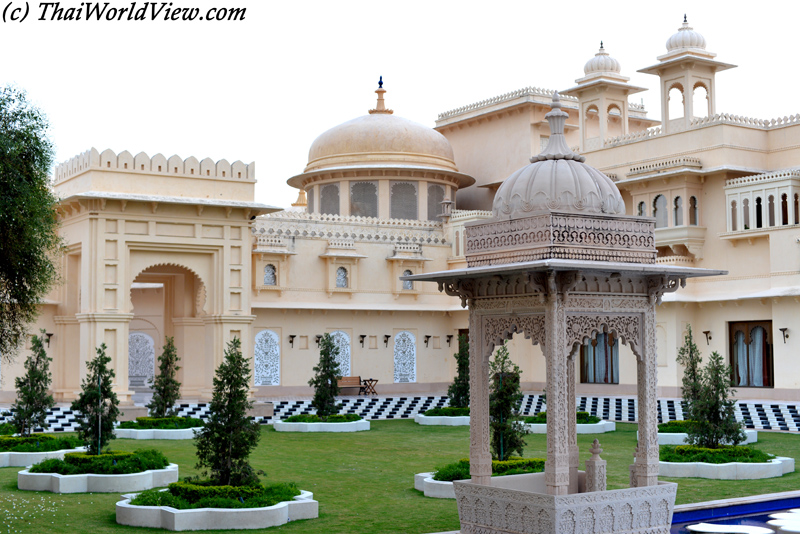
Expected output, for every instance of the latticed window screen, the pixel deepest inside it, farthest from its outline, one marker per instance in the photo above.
(408, 284)
(310, 197)
(364, 199)
(435, 198)
(329, 199)
(403, 200)
(269, 275)
(341, 277)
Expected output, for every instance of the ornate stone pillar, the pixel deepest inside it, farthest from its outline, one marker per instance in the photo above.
(645, 468)
(595, 469)
(572, 427)
(557, 465)
(480, 459)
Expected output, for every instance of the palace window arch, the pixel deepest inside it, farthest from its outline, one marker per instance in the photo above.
(769, 200)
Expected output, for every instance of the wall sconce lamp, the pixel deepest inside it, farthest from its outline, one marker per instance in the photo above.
(427, 338)
(362, 338)
(386, 339)
(291, 340)
(49, 335)
(449, 339)
(318, 339)
(708, 335)
(783, 331)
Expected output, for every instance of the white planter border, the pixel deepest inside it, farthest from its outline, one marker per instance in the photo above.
(437, 489)
(97, 483)
(302, 507)
(730, 471)
(157, 433)
(350, 426)
(442, 420)
(595, 428)
(25, 459)
(679, 438)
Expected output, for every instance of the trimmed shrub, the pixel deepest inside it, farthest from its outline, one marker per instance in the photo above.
(505, 395)
(33, 396)
(166, 389)
(38, 443)
(582, 418)
(314, 418)
(513, 466)
(97, 404)
(111, 463)
(6, 429)
(326, 378)
(447, 411)
(184, 495)
(455, 471)
(714, 409)
(162, 423)
(675, 427)
(721, 455)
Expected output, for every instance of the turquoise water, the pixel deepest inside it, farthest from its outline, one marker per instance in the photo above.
(756, 520)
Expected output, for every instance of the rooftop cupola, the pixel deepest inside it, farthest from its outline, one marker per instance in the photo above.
(686, 37)
(601, 62)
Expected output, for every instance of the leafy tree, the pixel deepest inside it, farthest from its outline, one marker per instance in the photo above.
(229, 436)
(689, 356)
(326, 378)
(97, 404)
(28, 221)
(458, 392)
(713, 409)
(508, 433)
(33, 397)
(166, 389)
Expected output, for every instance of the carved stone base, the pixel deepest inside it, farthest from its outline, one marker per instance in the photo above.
(493, 509)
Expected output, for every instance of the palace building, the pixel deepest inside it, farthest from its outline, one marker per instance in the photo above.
(179, 247)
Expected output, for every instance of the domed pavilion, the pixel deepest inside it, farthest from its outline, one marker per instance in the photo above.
(560, 262)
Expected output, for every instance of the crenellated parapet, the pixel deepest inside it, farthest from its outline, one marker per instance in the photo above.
(108, 160)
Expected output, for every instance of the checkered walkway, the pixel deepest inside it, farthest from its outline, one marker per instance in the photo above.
(756, 415)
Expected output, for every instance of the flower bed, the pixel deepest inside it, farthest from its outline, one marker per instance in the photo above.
(439, 484)
(675, 433)
(159, 428)
(20, 452)
(313, 423)
(726, 463)
(445, 416)
(110, 472)
(585, 423)
(302, 506)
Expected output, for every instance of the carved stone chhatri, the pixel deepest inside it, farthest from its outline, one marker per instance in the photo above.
(558, 278)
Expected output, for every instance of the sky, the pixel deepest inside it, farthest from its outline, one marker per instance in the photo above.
(263, 88)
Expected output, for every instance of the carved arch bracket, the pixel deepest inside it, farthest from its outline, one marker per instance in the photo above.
(627, 327)
(500, 328)
(658, 285)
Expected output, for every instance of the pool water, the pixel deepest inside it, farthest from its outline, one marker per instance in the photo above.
(755, 520)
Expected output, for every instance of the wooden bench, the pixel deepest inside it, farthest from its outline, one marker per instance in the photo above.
(351, 382)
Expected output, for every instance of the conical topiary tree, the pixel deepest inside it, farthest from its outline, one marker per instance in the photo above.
(458, 392)
(714, 408)
(326, 378)
(508, 433)
(97, 406)
(229, 436)
(166, 389)
(33, 397)
(689, 356)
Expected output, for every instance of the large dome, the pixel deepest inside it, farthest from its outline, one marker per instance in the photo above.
(685, 38)
(380, 138)
(557, 179)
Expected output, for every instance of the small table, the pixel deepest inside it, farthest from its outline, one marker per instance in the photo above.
(369, 386)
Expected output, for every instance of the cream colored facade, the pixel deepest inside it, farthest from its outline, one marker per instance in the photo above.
(170, 247)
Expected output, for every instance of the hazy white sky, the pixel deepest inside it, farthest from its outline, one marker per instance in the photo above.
(262, 89)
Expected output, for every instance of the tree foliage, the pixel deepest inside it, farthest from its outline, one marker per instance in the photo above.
(166, 389)
(33, 397)
(28, 224)
(713, 410)
(229, 436)
(458, 392)
(326, 378)
(689, 356)
(97, 406)
(505, 395)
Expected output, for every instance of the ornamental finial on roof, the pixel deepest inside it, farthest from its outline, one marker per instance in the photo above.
(381, 106)
(557, 147)
(601, 45)
(684, 19)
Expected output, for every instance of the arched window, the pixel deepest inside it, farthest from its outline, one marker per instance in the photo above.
(267, 359)
(660, 211)
(600, 360)
(341, 277)
(784, 209)
(759, 214)
(329, 199)
(408, 284)
(700, 101)
(403, 200)
(270, 278)
(751, 353)
(746, 213)
(364, 199)
(675, 102)
(435, 199)
(641, 209)
(733, 216)
(677, 212)
(405, 357)
(771, 210)
(693, 213)
(342, 342)
(141, 359)
(796, 208)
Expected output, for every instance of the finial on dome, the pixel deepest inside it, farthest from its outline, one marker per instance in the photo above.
(381, 105)
(557, 147)
(684, 19)
(601, 45)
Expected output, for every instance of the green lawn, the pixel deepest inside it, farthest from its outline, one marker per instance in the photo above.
(363, 481)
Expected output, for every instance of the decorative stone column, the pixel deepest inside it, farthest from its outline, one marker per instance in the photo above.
(595, 469)
(645, 468)
(556, 467)
(572, 427)
(480, 458)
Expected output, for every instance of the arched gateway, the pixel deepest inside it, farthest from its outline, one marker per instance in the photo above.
(560, 262)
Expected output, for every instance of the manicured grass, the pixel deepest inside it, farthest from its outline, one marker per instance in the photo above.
(363, 480)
